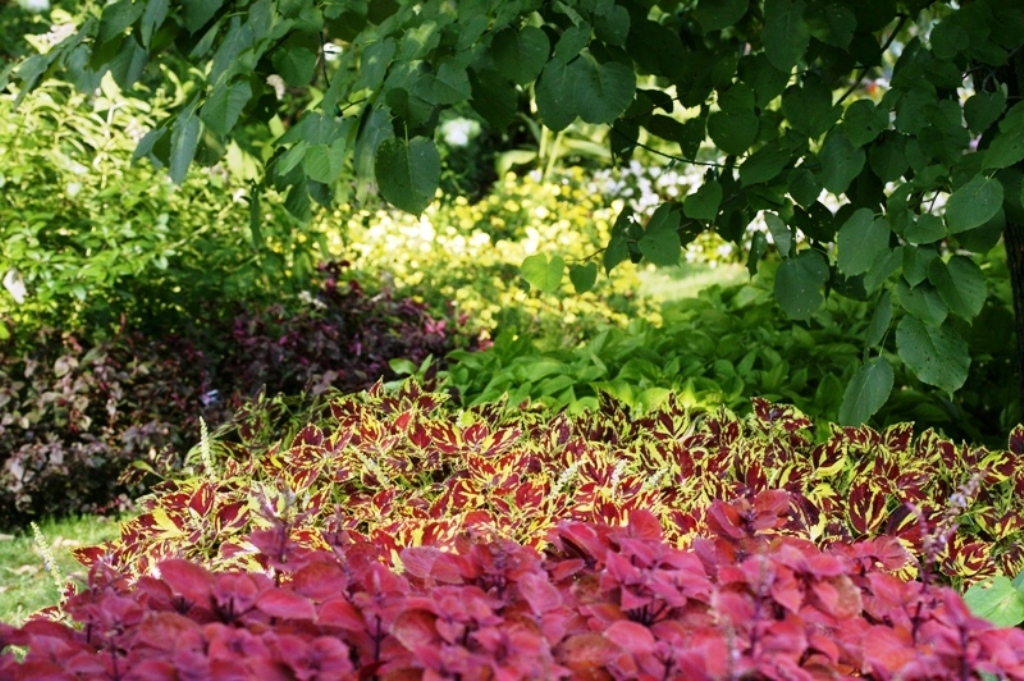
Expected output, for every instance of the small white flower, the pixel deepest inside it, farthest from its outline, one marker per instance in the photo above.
(15, 285)
(277, 82)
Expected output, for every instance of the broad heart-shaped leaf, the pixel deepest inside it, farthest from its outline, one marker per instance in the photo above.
(494, 97)
(448, 85)
(974, 204)
(714, 15)
(922, 301)
(785, 35)
(926, 229)
(840, 162)
(861, 240)
(602, 91)
(703, 204)
(521, 55)
(797, 284)
(863, 122)
(184, 140)
(221, 110)
(543, 274)
(961, 285)
(996, 600)
(408, 173)
(868, 391)
(556, 96)
(733, 132)
(295, 64)
(1007, 148)
(660, 242)
(936, 354)
(833, 23)
(583, 277)
(984, 108)
(766, 163)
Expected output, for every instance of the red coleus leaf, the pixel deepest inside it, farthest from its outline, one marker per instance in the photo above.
(189, 580)
(432, 564)
(285, 604)
(586, 655)
(319, 580)
(338, 612)
(539, 593)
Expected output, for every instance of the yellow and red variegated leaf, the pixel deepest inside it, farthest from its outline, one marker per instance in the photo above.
(968, 559)
(1011, 556)
(866, 508)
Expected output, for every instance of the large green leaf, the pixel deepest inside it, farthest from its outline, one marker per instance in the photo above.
(766, 163)
(798, 282)
(555, 92)
(295, 64)
(221, 110)
(660, 242)
(703, 204)
(714, 15)
(1007, 148)
(542, 273)
(863, 122)
(494, 97)
(521, 55)
(833, 23)
(937, 355)
(184, 140)
(840, 162)
(781, 234)
(925, 229)
(152, 17)
(408, 173)
(868, 391)
(974, 204)
(733, 131)
(116, 18)
(880, 320)
(601, 91)
(786, 34)
(984, 108)
(448, 85)
(996, 600)
(861, 240)
(922, 301)
(961, 285)
(583, 277)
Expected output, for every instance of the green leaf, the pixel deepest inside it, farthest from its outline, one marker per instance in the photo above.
(714, 15)
(543, 274)
(448, 85)
(766, 163)
(733, 132)
(573, 40)
(521, 55)
(840, 162)
(785, 35)
(152, 18)
(583, 277)
(868, 391)
(833, 23)
(797, 284)
(408, 173)
(324, 163)
(494, 97)
(373, 64)
(221, 110)
(703, 204)
(937, 355)
(974, 204)
(804, 187)
(862, 240)
(881, 271)
(660, 242)
(295, 64)
(184, 140)
(781, 234)
(116, 18)
(255, 218)
(984, 108)
(880, 320)
(888, 157)
(555, 93)
(1007, 149)
(863, 122)
(198, 12)
(758, 247)
(922, 301)
(997, 600)
(960, 284)
(926, 229)
(613, 28)
(601, 91)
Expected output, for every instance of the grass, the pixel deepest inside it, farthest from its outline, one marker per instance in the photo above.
(26, 586)
(688, 279)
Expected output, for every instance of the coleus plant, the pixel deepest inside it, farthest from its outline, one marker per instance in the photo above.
(403, 468)
(604, 601)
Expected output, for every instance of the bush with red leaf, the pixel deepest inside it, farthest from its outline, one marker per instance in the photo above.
(603, 602)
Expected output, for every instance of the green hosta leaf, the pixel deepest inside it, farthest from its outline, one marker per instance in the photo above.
(555, 94)
(521, 55)
(660, 242)
(408, 173)
(984, 108)
(184, 140)
(714, 15)
(926, 229)
(863, 122)
(543, 274)
(996, 600)
(781, 234)
(960, 284)
(840, 162)
(868, 391)
(583, 277)
(786, 34)
(798, 282)
(703, 204)
(733, 132)
(937, 355)
(601, 91)
(922, 301)
(880, 320)
(221, 110)
(974, 204)
(861, 240)
(765, 164)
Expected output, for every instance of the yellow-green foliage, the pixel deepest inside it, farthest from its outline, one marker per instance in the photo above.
(470, 254)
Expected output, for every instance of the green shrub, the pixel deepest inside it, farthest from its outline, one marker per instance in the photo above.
(405, 467)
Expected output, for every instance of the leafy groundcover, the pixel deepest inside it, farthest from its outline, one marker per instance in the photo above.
(602, 602)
